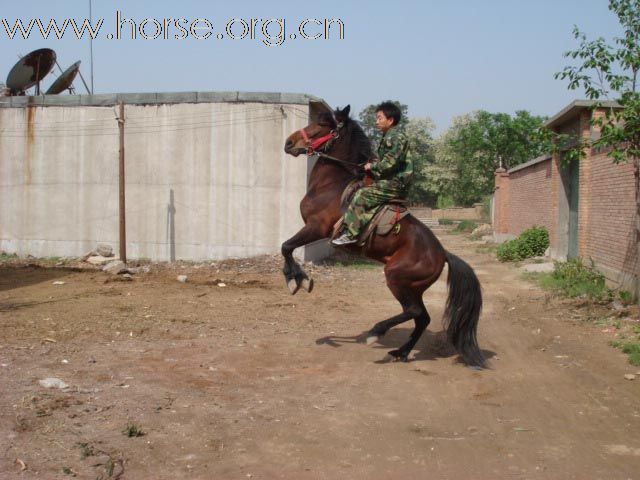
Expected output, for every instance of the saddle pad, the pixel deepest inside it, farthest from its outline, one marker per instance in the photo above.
(384, 221)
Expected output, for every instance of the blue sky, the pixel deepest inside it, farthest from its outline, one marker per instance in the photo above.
(440, 58)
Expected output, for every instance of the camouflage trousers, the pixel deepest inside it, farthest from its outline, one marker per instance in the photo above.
(365, 205)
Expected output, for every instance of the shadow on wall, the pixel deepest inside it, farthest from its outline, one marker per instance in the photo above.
(171, 227)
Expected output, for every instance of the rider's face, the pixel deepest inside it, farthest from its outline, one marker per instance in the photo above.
(382, 122)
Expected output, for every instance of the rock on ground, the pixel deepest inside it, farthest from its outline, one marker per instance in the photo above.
(104, 250)
(115, 267)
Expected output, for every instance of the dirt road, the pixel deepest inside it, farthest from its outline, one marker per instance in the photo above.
(244, 381)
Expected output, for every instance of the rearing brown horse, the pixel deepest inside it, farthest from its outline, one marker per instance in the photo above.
(414, 258)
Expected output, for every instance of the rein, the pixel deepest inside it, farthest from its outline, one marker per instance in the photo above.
(343, 162)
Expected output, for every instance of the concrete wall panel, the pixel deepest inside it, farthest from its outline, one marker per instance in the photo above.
(203, 180)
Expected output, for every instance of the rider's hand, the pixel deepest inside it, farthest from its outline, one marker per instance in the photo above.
(367, 167)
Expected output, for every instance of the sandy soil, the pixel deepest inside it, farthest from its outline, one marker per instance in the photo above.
(245, 381)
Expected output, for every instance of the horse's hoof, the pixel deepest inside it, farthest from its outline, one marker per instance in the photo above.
(293, 286)
(307, 284)
(398, 356)
(371, 339)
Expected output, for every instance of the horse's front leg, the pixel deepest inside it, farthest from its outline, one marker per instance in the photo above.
(295, 276)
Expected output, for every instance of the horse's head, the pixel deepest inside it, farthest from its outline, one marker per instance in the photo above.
(319, 134)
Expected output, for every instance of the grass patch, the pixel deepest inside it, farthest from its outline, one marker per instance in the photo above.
(6, 257)
(633, 350)
(445, 221)
(358, 264)
(574, 279)
(466, 226)
(630, 346)
(133, 430)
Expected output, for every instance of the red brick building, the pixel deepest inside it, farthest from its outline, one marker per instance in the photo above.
(588, 206)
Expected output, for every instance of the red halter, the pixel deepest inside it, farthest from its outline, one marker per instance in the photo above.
(318, 142)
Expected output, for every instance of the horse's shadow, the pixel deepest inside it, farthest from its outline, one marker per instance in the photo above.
(431, 346)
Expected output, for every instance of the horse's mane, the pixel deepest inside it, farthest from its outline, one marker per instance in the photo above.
(361, 149)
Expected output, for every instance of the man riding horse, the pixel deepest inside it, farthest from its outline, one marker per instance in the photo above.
(413, 257)
(392, 173)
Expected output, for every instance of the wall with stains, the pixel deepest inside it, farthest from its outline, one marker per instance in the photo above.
(206, 180)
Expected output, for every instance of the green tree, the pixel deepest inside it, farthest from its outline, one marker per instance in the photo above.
(480, 142)
(610, 72)
(419, 132)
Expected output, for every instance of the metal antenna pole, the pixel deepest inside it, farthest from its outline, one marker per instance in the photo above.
(85, 83)
(91, 43)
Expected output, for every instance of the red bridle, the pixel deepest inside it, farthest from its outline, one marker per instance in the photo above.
(312, 146)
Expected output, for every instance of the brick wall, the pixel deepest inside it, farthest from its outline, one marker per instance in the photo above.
(530, 199)
(535, 194)
(554, 197)
(608, 237)
(585, 193)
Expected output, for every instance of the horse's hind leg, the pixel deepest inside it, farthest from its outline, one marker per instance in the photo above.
(407, 280)
(294, 274)
(381, 328)
(414, 309)
(422, 320)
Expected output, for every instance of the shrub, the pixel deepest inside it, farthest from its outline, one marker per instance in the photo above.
(625, 297)
(531, 243)
(574, 279)
(445, 221)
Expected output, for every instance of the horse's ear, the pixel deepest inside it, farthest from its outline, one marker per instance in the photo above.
(346, 110)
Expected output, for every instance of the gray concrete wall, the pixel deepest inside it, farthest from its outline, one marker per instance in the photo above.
(205, 180)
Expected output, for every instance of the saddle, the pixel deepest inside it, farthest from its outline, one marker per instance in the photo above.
(385, 220)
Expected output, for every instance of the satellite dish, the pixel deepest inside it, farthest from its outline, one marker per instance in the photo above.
(64, 81)
(30, 70)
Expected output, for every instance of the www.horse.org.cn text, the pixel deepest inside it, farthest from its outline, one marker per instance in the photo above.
(270, 32)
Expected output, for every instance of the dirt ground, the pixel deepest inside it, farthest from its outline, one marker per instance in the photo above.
(245, 381)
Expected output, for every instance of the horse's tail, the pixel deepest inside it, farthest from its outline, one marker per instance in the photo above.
(462, 311)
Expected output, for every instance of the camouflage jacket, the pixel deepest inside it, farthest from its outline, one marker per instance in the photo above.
(394, 167)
